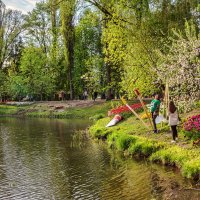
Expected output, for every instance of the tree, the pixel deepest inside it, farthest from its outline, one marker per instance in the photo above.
(67, 12)
(88, 54)
(54, 5)
(17, 87)
(180, 67)
(13, 26)
(3, 85)
(106, 49)
(2, 26)
(38, 27)
(132, 33)
(34, 70)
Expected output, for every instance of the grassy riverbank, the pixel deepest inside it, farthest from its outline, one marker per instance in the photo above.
(8, 110)
(128, 136)
(134, 140)
(65, 109)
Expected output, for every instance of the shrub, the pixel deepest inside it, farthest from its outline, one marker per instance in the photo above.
(191, 168)
(181, 67)
(124, 140)
(143, 147)
(191, 127)
(173, 156)
(99, 129)
(120, 140)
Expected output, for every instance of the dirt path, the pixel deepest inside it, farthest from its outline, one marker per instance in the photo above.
(64, 104)
(71, 103)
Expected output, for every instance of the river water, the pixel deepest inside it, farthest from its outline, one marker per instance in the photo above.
(40, 160)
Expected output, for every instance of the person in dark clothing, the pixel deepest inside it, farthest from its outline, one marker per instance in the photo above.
(95, 95)
(155, 107)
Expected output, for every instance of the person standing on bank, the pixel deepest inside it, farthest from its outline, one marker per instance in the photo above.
(173, 120)
(95, 94)
(155, 107)
(85, 95)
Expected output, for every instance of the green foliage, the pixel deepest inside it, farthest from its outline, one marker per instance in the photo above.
(37, 24)
(98, 129)
(145, 147)
(104, 49)
(193, 135)
(197, 104)
(97, 117)
(191, 168)
(12, 26)
(3, 84)
(187, 160)
(67, 12)
(173, 156)
(17, 87)
(123, 141)
(35, 73)
(88, 56)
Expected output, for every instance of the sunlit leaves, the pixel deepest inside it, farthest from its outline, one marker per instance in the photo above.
(181, 68)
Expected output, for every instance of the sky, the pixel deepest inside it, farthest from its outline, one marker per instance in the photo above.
(22, 5)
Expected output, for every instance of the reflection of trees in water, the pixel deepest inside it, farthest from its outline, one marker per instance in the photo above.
(33, 160)
(36, 154)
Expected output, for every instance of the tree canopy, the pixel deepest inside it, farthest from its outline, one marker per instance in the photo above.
(109, 47)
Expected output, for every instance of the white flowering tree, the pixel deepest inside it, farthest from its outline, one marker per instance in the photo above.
(181, 68)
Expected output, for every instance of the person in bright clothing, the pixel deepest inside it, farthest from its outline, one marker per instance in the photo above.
(155, 107)
(173, 120)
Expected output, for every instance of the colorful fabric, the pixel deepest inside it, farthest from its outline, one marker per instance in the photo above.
(125, 108)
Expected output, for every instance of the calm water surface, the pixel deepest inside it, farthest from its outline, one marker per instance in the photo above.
(38, 161)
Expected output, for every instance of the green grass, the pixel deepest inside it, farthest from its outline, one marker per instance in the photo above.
(188, 160)
(132, 137)
(8, 110)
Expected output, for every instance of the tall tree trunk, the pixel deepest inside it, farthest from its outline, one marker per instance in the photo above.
(165, 13)
(109, 80)
(54, 28)
(108, 65)
(2, 18)
(67, 11)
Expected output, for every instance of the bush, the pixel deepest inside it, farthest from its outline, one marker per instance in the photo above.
(192, 127)
(144, 147)
(191, 168)
(172, 156)
(123, 142)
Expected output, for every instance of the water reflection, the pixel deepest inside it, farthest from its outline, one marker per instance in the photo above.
(37, 161)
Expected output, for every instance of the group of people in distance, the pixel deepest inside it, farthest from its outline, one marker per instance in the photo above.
(94, 95)
(172, 114)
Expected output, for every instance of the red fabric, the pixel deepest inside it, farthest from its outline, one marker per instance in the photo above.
(125, 109)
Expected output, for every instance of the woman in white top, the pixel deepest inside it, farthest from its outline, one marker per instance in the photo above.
(173, 120)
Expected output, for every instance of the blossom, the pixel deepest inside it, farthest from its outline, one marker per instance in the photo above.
(193, 124)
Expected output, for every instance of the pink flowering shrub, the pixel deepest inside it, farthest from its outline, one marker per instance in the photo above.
(192, 127)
